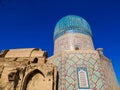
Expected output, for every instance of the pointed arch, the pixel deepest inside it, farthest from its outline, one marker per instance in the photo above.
(30, 76)
(83, 79)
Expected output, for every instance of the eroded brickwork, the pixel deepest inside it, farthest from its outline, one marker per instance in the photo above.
(27, 69)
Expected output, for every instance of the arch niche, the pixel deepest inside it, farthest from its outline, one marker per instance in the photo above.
(35, 80)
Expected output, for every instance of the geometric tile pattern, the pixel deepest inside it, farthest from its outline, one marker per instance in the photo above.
(71, 24)
(67, 63)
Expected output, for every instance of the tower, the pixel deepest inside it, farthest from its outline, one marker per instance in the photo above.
(80, 66)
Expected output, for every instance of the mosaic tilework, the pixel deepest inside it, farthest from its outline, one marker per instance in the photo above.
(70, 24)
(70, 41)
(69, 61)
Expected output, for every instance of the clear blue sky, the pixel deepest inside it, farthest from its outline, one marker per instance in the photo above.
(30, 23)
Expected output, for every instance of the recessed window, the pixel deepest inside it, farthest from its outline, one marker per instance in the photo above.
(82, 76)
(35, 60)
(76, 47)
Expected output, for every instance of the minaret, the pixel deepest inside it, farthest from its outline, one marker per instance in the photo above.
(80, 66)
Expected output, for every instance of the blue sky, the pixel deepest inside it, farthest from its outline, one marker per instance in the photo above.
(30, 23)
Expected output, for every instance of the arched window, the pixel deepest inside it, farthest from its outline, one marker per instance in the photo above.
(35, 60)
(82, 76)
(76, 47)
(83, 79)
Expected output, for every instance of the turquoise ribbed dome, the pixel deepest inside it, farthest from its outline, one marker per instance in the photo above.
(71, 24)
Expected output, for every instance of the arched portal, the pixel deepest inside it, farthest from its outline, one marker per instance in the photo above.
(34, 81)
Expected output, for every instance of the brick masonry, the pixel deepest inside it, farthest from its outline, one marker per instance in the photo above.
(68, 61)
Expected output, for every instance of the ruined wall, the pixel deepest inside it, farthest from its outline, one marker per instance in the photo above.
(28, 70)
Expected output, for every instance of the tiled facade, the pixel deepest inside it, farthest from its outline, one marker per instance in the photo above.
(69, 61)
(80, 66)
